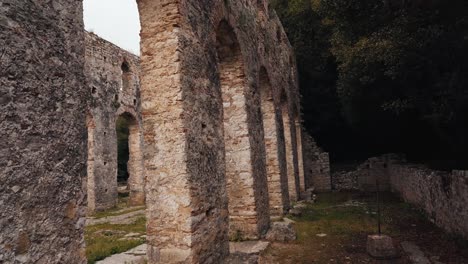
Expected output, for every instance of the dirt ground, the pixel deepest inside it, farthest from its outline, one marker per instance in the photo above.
(335, 230)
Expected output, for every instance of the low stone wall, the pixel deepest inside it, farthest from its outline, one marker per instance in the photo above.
(443, 195)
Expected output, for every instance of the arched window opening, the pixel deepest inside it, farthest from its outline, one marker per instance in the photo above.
(126, 76)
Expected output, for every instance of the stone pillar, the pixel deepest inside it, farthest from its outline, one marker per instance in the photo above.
(293, 190)
(43, 132)
(135, 165)
(277, 188)
(300, 156)
(187, 217)
(90, 165)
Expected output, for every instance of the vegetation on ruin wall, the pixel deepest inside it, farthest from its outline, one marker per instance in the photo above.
(383, 76)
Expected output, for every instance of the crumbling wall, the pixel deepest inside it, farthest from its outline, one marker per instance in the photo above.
(113, 83)
(43, 132)
(316, 165)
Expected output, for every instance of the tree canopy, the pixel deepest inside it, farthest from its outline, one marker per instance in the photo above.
(383, 76)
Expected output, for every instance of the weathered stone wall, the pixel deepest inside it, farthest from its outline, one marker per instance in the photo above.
(113, 83)
(182, 83)
(442, 195)
(316, 165)
(43, 132)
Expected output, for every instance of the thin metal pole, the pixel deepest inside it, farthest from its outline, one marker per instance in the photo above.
(378, 205)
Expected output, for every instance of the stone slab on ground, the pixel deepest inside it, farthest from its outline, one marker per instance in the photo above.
(124, 219)
(414, 252)
(248, 247)
(133, 256)
(246, 252)
(381, 247)
(282, 232)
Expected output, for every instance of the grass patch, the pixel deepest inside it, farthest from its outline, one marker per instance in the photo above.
(104, 240)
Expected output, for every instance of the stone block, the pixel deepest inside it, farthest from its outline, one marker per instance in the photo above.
(281, 231)
(381, 247)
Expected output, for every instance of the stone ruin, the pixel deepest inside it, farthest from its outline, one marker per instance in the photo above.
(216, 142)
(113, 79)
(442, 195)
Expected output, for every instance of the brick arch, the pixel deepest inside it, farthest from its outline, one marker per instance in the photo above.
(246, 183)
(275, 157)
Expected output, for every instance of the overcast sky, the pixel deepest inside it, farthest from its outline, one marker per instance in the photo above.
(114, 20)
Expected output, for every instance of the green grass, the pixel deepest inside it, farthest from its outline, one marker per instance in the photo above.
(104, 240)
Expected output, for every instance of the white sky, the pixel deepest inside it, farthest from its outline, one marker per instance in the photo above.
(114, 20)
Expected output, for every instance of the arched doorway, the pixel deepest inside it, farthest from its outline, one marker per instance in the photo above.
(130, 157)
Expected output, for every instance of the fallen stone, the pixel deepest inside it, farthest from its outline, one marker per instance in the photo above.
(248, 247)
(300, 206)
(295, 212)
(281, 231)
(414, 252)
(381, 247)
(321, 235)
(134, 256)
(132, 235)
(287, 220)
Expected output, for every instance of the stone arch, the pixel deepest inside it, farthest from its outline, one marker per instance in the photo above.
(277, 177)
(288, 140)
(135, 168)
(249, 216)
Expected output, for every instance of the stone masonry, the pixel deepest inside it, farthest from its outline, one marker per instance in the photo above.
(196, 126)
(43, 132)
(113, 83)
(277, 177)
